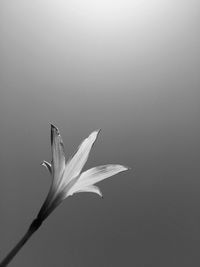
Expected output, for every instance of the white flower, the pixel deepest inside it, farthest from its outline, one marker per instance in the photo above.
(67, 178)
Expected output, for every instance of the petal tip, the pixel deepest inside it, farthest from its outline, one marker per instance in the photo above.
(99, 192)
(43, 163)
(96, 132)
(94, 135)
(54, 131)
(53, 127)
(124, 168)
(127, 168)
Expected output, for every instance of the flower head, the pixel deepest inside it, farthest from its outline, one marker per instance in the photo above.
(67, 177)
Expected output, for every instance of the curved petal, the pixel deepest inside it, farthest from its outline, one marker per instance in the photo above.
(75, 165)
(97, 174)
(58, 154)
(47, 165)
(90, 188)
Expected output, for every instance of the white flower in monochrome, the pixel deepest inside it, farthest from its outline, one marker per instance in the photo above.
(67, 177)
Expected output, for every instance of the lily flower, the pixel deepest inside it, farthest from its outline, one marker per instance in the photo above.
(67, 176)
(67, 179)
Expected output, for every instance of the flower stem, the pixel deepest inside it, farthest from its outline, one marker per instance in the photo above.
(32, 229)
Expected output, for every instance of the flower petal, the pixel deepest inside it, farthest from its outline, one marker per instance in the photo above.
(58, 154)
(75, 165)
(91, 188)
(97, 174)
(47, 165)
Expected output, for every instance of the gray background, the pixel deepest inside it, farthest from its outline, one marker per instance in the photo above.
(132, 69)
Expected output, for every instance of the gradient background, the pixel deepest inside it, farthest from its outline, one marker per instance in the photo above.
(131, 68)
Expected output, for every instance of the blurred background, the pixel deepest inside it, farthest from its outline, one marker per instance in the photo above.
(131, 68)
